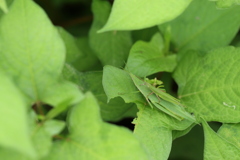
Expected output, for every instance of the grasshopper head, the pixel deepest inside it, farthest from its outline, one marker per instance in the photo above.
(154, 82)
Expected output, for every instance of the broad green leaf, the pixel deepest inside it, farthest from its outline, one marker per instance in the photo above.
(32, 53)
(209, 86)
(118, 83)
(91, 138)
(3, 6)
(135, 14)
(151, 125)
(148, 58)
(113, 110)
(73, 53)
(111, 48)
(204, 27)
(15, 133)
(149, 131)
(217, 147)
(231, 133)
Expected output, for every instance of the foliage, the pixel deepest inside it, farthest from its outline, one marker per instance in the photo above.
(63, 92)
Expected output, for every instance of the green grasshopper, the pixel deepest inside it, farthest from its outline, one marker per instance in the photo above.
(152, 90)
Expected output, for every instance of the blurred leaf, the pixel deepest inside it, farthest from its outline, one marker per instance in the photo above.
(58, 109)
(198, 27)
(144, 34)
(3, 6)
(79, 54)
(207, 87)
(226, 3)
(14, 133)
(69, 73)
(89, 61)
(143, 13)
(37, 48)
(91, 138)
(42, 135)
(148, 58)
(73, 53)
(113, 110)
(9, 154)
(112, 47)
(62, 91)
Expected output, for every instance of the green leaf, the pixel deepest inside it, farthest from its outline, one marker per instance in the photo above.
(148, 58)
(58, 109)
(209, 86)
(89, 61)
(120, 42)
(14, 133)
(42, 135)
(8, 154)
(61, 92)
(179, 133)
(70, 73)
(216, 147)
(131, 15)
(3, 6)
(33, 53)
(226, 3)
(118, 83)
(144, 34)
(73, 53)
(231, 133)
(113, 110)
(148, 130)
(198, 27)
(91, 138)
(152, 124)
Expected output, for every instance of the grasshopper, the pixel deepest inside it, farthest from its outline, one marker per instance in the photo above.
(155, 94)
